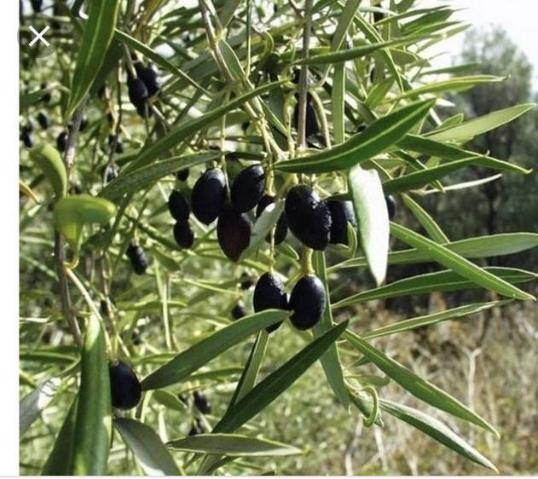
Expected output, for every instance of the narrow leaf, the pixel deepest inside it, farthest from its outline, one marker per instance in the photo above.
(330, 361)
(432, 282)
(380, 135)
(204, 351)
(233, 445)
(373, 218)
(147, 447)
(32, 404)
(414, 384)
(469, 129)
(265, 392)
(457, 263)
(98, 33)
(94, 416)
(436, 430)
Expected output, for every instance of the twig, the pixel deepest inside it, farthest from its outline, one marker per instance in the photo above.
(303, 77)
(59, 246)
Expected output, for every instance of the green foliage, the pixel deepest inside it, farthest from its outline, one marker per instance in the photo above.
(357, 115)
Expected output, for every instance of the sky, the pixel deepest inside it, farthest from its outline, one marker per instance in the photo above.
(517, 17)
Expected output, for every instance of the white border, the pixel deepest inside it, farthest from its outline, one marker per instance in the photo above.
(9, 240)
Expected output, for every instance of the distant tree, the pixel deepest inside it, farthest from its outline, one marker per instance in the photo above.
(499, 201)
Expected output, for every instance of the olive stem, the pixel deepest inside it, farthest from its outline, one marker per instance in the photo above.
(303, 77)
(59, 243)
(65, 297)
(306, 261)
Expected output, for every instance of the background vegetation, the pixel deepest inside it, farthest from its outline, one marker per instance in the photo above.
(486, 360)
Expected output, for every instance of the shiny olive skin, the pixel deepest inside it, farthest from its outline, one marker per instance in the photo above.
(233, 232)
(179, 206)
(309, 218)
(125, 387)
(209, 196)
(307, 301)
(183, 234)
(341, 214)
(269, 293)
(247, 188)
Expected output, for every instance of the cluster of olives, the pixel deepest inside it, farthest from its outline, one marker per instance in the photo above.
(142, 87)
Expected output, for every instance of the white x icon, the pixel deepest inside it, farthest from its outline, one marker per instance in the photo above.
(39, 36)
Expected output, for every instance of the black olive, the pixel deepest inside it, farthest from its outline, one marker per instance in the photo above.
(46, 97)
(247, 189)
(281, 230)
(391, 206)
(309, 218)
(149, 76)
(311, 123)
(245, 281)
(233, 232)
(183, 174)
(183, 234)
(43, 120)
(125, 388)
(269, 294)
(179, 206)
(209, 195)
(201, 402)
(239, 311)
(26, 138)
(111, 171)
(139, 260)
(137, 90)
(341, 214)
(61, 141)
(197, 428)
(307, 301)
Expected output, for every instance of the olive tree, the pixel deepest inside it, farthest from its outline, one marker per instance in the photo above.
(199, 179)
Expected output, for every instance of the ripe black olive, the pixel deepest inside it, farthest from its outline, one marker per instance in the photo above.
(311, 123)
(391, 206)
(125, 388)
(26, 138)
(179, 206)
(182, 175)
(183, 234)
(43, 120)
(309, 218)
(233, 232)
(245, 282)
(149, 76)
(247, 189)
(341, 214)
(201, 402)
(239, 311)
(61, 141)
(209, 195)
(137, 255)
(197, 428)
(137, 90)
(307, 301)
(269, 294)
(281, 230)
